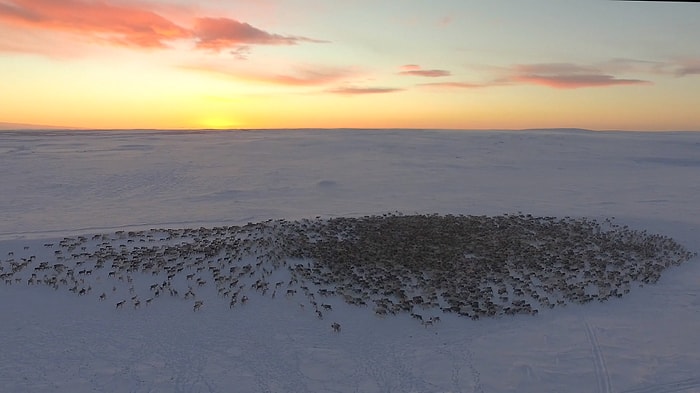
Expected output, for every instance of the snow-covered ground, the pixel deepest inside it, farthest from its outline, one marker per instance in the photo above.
(58, 184)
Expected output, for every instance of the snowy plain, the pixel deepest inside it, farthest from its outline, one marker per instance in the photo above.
(57, 184)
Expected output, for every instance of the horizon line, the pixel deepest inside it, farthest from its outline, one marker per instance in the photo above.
(41, 128)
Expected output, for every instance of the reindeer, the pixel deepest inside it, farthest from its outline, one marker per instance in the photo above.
(120, 304)
(103, 296)
(336, 327)
(197, 305)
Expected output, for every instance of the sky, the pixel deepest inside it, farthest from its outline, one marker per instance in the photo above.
(453, 64)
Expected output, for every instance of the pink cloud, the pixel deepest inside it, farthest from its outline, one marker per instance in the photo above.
(576, 81)
(134, 24)
(307, 77)
(122, 25)
(297, 76)
(566, 76)
(416, 70)
(14, 11)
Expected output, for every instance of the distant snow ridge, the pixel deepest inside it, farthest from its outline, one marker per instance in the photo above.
(474, 266)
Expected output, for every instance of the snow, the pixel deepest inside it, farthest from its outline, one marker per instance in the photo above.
(59, 184)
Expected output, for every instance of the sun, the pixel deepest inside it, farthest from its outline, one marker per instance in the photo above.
(218, 123)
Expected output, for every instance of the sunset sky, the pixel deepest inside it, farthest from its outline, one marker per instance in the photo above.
(463, 64)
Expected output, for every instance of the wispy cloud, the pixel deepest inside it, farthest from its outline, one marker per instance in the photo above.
(134, 24)
(352, 90)
(626, 65)
(224, 33)
(241, 52)
(446, 20)
(556, 75)
(566, 76)
(457, 85)
(687, 67)
(302, 75)
(675, 67)
(416, 70)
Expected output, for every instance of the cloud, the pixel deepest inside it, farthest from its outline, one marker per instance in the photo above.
(118, 24)
(687, 67)
(618, 65)
(308, 77)
(446, 20)
(222, 33)
(13, 11)
(566, 76)
(362, 90)
(134, 24)
(241, 52)
(553, 75)
(416, 70)
(675, 67)
(305, 75)
(457, 85)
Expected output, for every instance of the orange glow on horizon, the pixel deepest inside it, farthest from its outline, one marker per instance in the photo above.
(154, 64)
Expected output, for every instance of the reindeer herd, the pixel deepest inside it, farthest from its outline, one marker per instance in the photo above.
(397, 264)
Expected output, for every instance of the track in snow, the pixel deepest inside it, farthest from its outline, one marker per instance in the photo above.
(601, 369)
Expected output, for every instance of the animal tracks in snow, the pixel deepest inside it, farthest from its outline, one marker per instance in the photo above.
(601, 369)
(683, 385)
